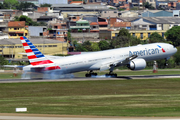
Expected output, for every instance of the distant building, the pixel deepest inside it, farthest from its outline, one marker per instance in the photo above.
(157, 13)
(10, 48)
(153, 2)
(58, 32)
(120, 25)
(94, 27)
(80, 26)
(166, 4)
(142, 34)
(76, 2)
(46, 19)
(44, 9)
(17, 29)
(128, 14)
(3, 23)
(53, 1)
(103, 23)
(94, 1)
(143, 27)
(36, 31)
(109, 13)
(31, 1)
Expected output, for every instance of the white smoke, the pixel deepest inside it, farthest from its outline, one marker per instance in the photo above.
(101, 76)
(45, 75)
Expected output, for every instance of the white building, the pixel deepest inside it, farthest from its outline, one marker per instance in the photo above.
(53, 1)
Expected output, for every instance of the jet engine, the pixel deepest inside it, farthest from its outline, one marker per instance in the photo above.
(137, 64)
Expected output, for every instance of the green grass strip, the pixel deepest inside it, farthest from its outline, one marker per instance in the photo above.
(155, 97)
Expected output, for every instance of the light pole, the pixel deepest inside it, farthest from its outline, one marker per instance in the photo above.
(83, 34)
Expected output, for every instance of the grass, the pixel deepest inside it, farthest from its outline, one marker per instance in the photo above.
(9, 76)
(155, 97)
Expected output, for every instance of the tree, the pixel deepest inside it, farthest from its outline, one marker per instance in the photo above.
(24, 18)
(87, 45)
(25, 5)
(42, 24)
(29, 21)
(124, 32)
(124, 39)
(148, 5)
(173, 35)
(177, 56)
(95, 47)
(80, 48)
(103, 45)
(45, 5)
(69, 35)
(155, 37)
(120, 41)
(10, 4)
(134, 41)
(3, 61)
(1, 6)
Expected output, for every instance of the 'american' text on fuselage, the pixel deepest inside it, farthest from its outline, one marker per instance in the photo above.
(144, 52)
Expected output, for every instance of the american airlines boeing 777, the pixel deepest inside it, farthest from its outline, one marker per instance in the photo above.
(134, 57)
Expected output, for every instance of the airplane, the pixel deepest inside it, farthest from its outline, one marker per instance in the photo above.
(134, 57)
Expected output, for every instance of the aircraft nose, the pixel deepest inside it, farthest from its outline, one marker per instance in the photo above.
(175, 49)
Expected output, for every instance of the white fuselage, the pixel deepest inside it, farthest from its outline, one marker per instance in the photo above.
(94, 60)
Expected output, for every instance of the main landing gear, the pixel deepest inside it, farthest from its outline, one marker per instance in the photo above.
(90, 74)
(111, 74)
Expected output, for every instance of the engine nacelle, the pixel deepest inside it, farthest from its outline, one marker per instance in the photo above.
(137, 64)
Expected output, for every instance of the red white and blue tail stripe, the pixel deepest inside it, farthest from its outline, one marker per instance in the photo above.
(35, 56)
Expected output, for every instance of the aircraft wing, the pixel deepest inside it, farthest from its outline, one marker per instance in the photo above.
(126, 61)
(112, 63)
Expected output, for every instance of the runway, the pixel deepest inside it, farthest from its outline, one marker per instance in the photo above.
(10, 116)
(91, 79)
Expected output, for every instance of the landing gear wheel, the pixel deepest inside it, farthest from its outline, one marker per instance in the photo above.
(94, 74)
(90, 74)
(114, 75)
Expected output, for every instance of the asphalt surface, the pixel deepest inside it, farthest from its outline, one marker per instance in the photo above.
(7, 116)
(92, 78)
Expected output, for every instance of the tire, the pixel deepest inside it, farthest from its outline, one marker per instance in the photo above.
(114, 75)
(88, 75)
(95, 74)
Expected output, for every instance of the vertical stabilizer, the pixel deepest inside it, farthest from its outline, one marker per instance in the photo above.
(35, 56)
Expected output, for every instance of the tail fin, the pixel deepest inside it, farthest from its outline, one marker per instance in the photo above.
(34, 55)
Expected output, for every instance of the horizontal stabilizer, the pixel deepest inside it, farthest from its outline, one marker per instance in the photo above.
(14, 66)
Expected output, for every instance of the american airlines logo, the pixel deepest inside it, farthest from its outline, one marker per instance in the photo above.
(144, 52)
(162, 48)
